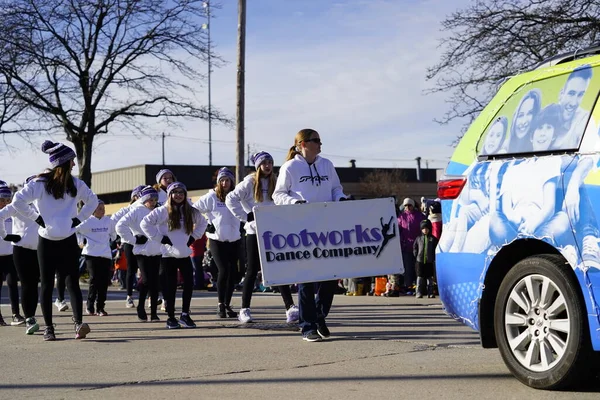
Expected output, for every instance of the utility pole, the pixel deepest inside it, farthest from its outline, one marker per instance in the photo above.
(248, 157)
(206, 5)
(240, 90)
(163, 148)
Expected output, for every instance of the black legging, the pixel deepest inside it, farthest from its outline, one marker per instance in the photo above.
(61, 286)
(98, 268)
(226, 255)
(253, 266)
(149, 266)
(170, 266)
(7, 269)
(28, 269)
(60, 256)
(132, 267)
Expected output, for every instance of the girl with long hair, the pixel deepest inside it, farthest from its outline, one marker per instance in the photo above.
(177, 224)
(223, 232)
(55, 195)
(307, 177)
(256, 190)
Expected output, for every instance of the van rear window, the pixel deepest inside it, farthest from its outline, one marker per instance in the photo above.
(543, 116)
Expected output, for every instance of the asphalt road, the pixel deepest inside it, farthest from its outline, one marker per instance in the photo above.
(388, 348)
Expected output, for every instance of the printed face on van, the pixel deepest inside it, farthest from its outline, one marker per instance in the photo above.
(542, 137)
(493, 140)
(571, 96)
(524, 118)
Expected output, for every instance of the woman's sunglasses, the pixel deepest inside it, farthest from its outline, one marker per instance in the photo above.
(315, 140)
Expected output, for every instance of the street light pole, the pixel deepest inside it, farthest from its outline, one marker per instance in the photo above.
(206, 5)
(241, 78)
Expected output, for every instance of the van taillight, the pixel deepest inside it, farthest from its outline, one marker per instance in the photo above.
(449, 189)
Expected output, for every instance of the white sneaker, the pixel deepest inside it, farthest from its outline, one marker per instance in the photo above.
(163, 306)
(292, 315)
(129, 302)
(245, 316)
(61, 305)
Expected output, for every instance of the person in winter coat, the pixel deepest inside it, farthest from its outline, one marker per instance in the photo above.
(177, 224)
(223, 232)
(51, 200)
(98, 231)
(409, 222)
(307, 177)
(148, 252)
(256, 190)
(424, 252)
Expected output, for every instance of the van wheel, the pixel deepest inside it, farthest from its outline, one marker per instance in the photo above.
(540, 323)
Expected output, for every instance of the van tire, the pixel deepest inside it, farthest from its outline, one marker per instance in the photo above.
(538, 323)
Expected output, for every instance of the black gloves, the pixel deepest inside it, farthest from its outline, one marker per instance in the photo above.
(75, 222)
(40, 221)
(12, 238)
(166, 240)
(190, 241)
(300, 202)
(250, 216)
(140, 239)
(210, 228)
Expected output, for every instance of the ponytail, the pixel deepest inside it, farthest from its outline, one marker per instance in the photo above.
(292, 153)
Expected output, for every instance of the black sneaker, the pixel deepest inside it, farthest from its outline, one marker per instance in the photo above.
(172, 323)
(186, 321)
(2, 323)
(49, 335)
(230, 312)
(81, 330)
(221, 311)
(154, 318)
(322, 330)
(311, 336)
(90, 310)
(17, 319)
(431, 296)
(141, 314)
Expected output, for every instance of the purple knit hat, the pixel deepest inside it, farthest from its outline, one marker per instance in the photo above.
(59, 153)
(162, 172)
(136, 191)
(225, 173)
(259, 157)
(175, 185)
(147, 193)
(5, 192)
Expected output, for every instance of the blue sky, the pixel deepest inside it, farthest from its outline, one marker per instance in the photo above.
(354, 70)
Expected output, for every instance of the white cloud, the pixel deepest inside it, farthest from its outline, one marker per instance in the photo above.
(355, 72)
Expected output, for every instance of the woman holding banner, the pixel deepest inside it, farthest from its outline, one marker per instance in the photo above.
(256, 190)
(306, 177)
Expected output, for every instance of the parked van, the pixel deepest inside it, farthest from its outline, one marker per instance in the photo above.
(519, 257)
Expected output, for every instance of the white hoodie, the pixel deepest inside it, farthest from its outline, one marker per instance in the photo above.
(58, 214)
(240, 201)
(162, 196)
(98, 232)
(24, 227)
(226, 224)
(155, 226)
(120, 214)
(317, 182)
(129, 226)
(5, 229)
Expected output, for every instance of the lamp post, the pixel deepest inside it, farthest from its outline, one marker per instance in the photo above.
(206, 26)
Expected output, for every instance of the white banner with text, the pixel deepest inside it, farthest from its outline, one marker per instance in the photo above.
(327, 241)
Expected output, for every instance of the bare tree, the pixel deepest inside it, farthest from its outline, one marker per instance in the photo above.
(492, 40)
(84, 66)
(381, 183)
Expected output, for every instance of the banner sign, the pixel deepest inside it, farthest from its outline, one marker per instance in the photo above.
(327, 241)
